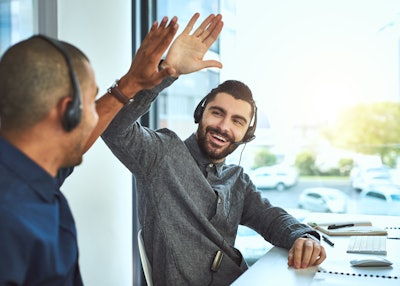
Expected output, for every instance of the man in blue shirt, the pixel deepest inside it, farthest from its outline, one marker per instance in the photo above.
(47, 112)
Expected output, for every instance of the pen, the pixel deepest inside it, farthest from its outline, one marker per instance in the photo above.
(336, 226)
(327, 241)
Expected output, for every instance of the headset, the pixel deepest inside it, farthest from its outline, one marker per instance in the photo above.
(249, 136)
(73, 112)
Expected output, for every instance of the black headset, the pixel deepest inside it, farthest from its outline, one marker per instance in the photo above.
(249, 136)
(73, 113)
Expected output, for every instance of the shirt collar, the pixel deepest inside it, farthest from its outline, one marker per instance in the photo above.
(28, 171)
(201, 160)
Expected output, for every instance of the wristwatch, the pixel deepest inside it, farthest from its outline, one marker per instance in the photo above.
(307, 235)
(117, 93)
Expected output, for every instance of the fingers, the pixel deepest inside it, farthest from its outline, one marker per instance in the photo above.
(305, 253)
(143, 72)
(203, 26)
(213, 33)
(171, 30)
(208, 30)
(160, 36)
(191, 23)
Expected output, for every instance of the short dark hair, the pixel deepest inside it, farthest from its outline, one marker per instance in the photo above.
(33, 78)
(235, 88)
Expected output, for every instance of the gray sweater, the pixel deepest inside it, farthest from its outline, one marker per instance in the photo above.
(188, 207)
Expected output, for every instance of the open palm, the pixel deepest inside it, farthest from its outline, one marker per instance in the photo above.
(187, 51)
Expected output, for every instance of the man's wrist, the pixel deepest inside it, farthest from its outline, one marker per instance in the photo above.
(118, 94)
(163, 65)
(308, 235)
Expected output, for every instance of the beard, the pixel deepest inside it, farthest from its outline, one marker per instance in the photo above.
(74, 158)
(212, 150)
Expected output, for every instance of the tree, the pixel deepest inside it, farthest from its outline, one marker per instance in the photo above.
(305, 163)
(369, 129)
(263, 157)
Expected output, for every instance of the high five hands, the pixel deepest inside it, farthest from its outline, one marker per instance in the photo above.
(187, 51)
(184, 56)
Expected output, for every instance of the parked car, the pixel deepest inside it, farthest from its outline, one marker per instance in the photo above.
(274, 177)
(362, 178)
(251, 244)
(380, 200)
(321, 199)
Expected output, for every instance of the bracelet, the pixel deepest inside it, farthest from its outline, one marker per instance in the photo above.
(117, 93)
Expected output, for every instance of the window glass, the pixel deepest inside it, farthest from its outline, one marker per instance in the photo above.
(16, 22)
(325, 76)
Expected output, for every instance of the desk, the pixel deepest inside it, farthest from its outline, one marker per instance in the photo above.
(271, 269)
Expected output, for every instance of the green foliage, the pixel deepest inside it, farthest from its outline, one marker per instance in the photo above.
(305, 163)
(345, 166)
(263, 157)
(369, 129)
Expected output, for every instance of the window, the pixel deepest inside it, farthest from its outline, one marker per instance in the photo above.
(16, 22)
(326, 79)
(376, 195)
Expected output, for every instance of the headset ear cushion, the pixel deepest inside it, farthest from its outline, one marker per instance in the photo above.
(73, 112)
(198, 113)
(72, 116)
(249, 136)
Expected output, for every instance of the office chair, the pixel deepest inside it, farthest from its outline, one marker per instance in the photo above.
(145, 261)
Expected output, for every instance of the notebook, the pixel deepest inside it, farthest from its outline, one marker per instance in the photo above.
(348, 228)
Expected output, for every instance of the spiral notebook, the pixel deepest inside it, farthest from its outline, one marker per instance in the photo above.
(348, 228)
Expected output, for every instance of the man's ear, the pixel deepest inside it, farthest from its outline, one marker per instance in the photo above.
(62, 108)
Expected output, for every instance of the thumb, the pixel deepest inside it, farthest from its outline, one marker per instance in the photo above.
(211, 64)
(168, 71)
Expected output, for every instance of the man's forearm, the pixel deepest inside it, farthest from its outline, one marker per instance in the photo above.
(108, 107)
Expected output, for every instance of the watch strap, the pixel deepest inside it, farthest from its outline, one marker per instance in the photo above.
(117, 93)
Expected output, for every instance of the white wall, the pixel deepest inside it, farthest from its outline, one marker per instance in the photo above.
(99, 191)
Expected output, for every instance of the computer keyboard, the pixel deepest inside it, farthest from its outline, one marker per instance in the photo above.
(368, 244)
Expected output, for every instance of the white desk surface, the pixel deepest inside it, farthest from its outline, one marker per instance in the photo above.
(271, 269)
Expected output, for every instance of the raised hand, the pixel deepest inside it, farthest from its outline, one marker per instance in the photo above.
(187, 51)
(143, 72)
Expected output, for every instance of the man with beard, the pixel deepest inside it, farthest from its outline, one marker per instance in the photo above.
(190, 203)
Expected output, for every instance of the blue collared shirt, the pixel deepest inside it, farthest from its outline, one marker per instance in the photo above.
(38, 244)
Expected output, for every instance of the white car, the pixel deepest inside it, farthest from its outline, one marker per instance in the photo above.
(381, 200)
(321, 199)
(363, 178)
(274, 177)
